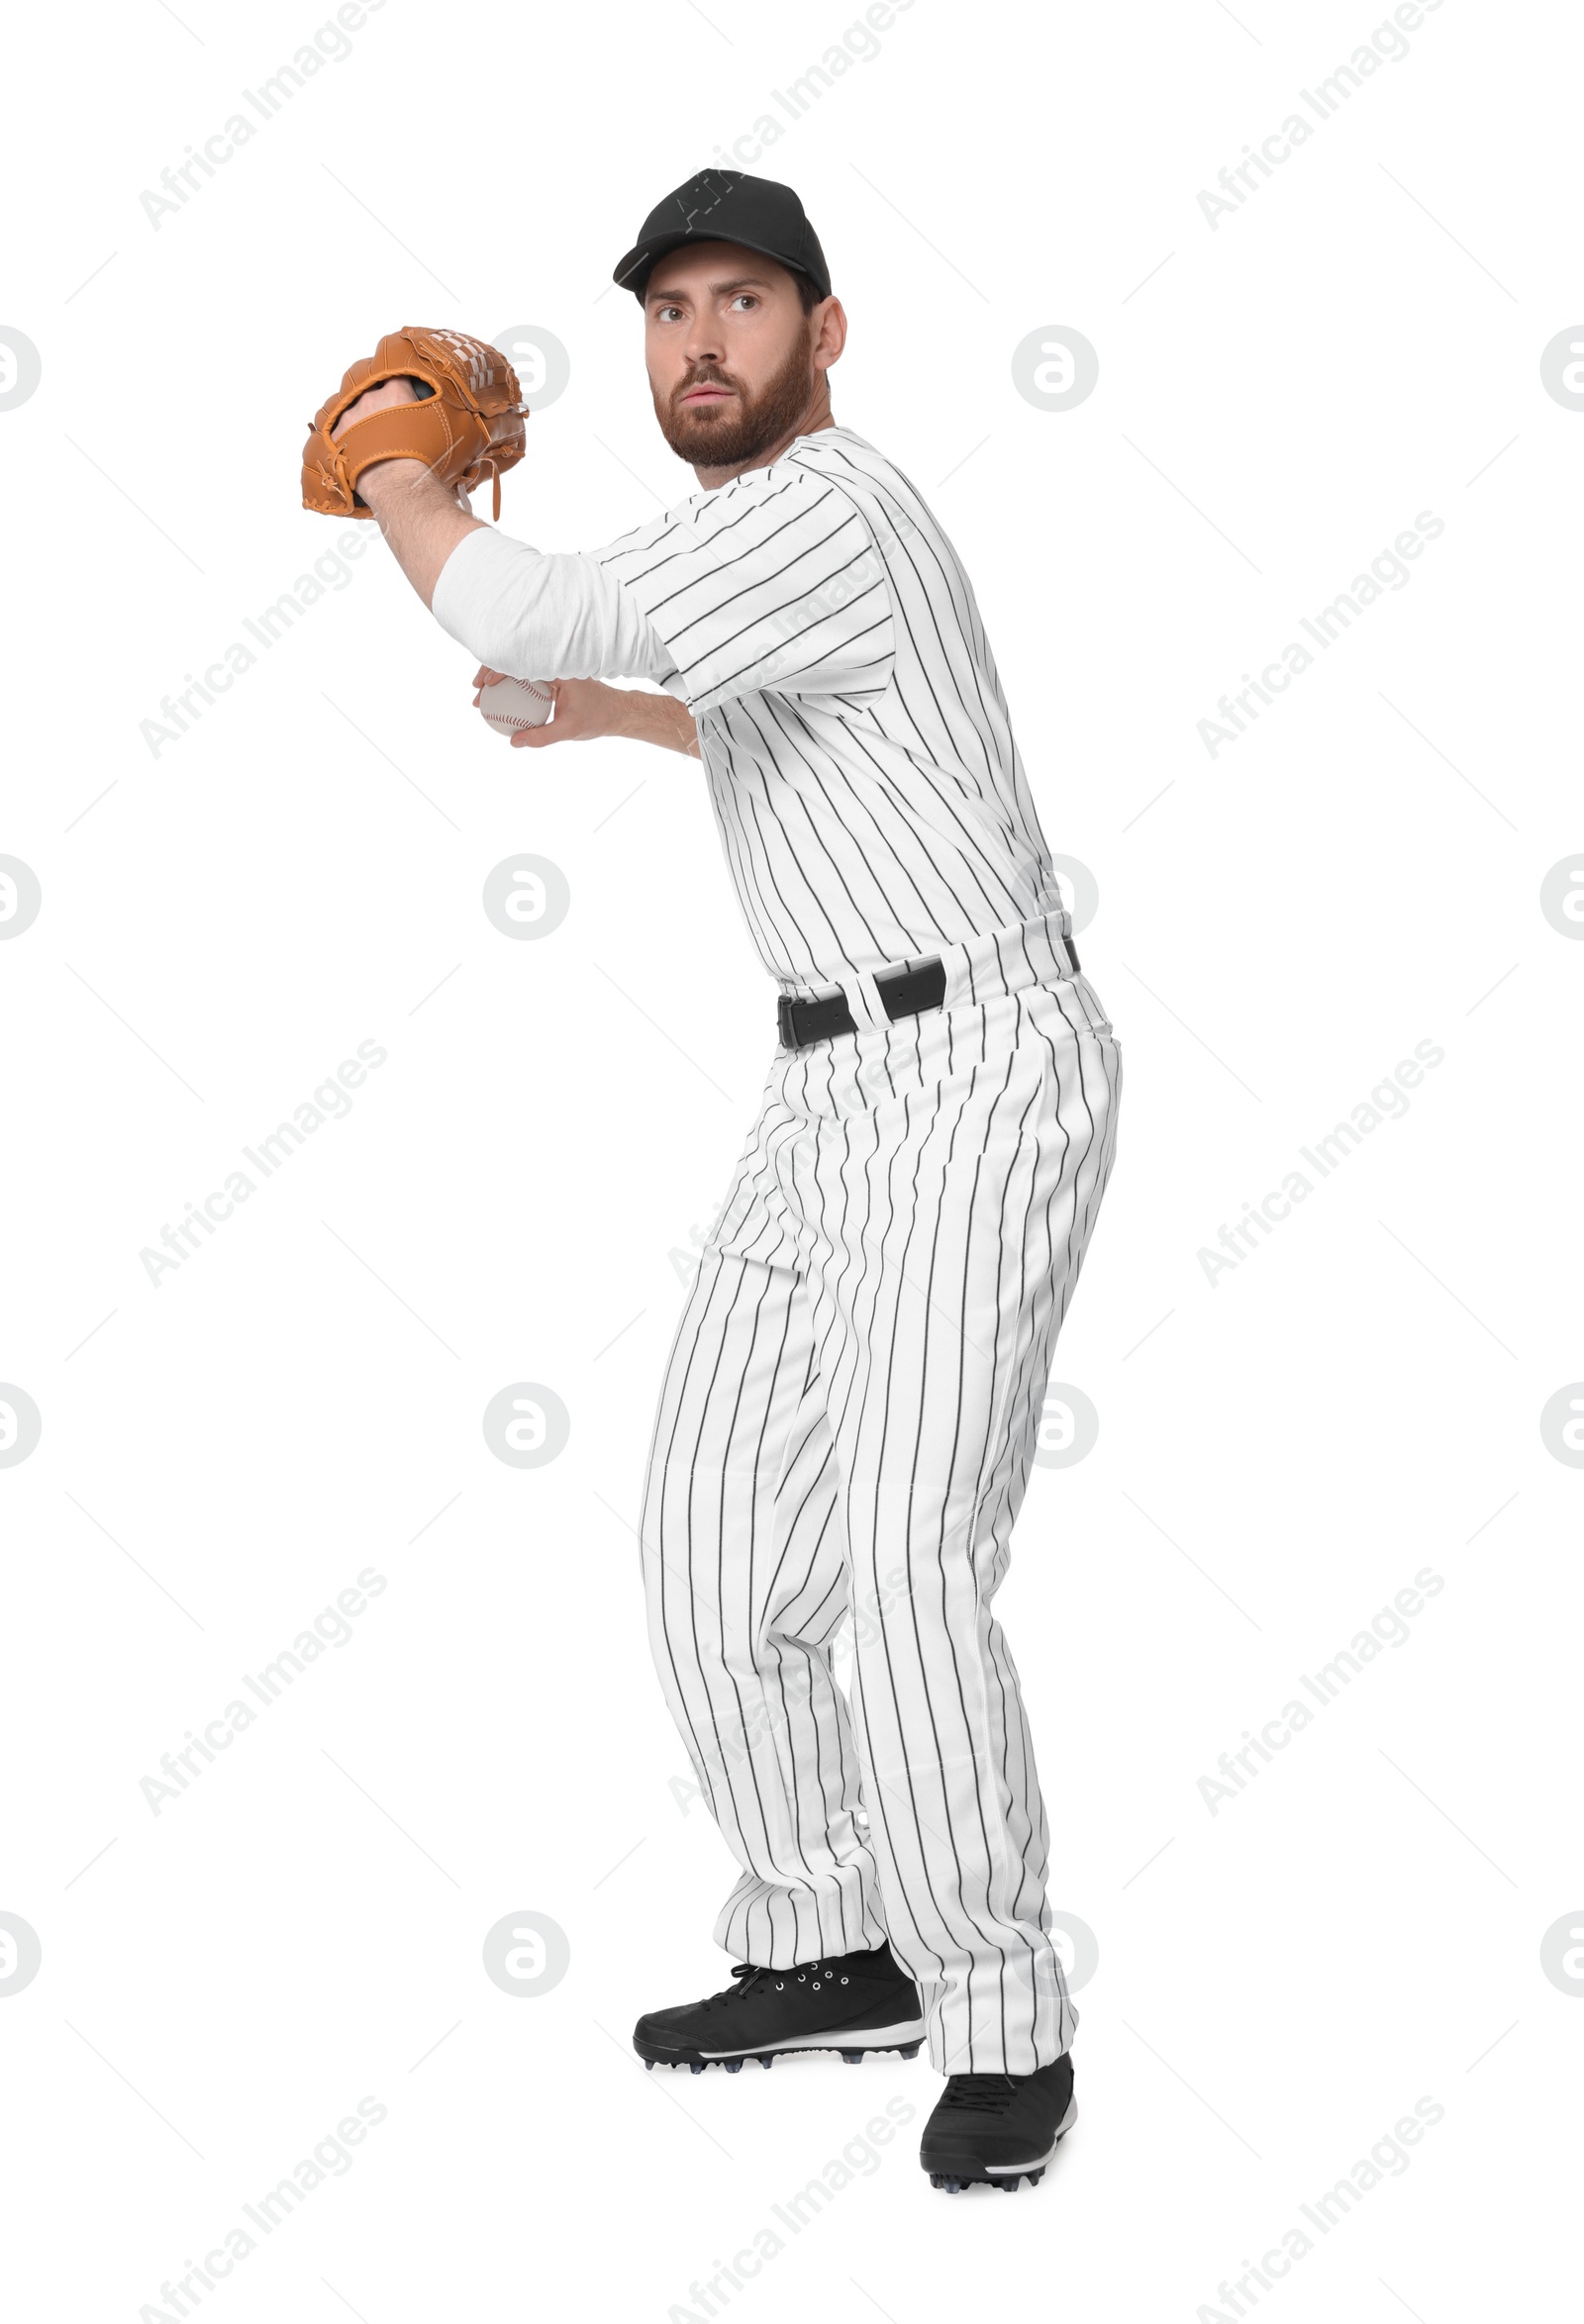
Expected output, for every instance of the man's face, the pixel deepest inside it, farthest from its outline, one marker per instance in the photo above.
(731, 353)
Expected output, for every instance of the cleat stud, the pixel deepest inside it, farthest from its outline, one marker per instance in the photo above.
(852, 2057)
(733, 2064)
(1035, 2176)
(692, 2069)
(648, 2066)
(768, 2060)
(910, 2050)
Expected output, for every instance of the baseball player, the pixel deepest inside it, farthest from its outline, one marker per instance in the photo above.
(852, 1403)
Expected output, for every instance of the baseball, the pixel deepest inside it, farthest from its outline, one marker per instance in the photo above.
(514, 703)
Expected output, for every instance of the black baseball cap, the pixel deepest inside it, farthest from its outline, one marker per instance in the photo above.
(728, 206)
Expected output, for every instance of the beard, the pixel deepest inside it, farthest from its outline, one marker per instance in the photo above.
(729, 435)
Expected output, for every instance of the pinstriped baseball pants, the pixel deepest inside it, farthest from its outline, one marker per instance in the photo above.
(845, 1430)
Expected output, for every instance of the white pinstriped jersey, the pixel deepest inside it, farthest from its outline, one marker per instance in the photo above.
(871, 799)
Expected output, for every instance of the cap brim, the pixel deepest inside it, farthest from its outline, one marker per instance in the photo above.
(633, 271)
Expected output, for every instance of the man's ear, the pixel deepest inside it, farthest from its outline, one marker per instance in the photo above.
(832, 335)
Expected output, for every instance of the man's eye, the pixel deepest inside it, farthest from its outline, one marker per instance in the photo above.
(744, 299)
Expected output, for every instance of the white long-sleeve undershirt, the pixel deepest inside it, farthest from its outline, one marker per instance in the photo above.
(533, 616)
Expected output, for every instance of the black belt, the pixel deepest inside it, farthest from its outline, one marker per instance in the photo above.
(903, 995)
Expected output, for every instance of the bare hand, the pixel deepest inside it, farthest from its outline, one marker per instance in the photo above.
(585, 709)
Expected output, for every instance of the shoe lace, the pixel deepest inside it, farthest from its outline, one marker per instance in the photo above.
(979, 2093)
(748, 1975)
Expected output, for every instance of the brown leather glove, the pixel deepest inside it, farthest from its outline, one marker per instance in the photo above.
(469, 423)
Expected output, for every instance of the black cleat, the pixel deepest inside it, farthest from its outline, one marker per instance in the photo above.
(997, 2129)
(854, 2002)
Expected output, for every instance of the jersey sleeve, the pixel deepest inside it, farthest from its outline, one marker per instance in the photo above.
(772, 584)
(532, 616)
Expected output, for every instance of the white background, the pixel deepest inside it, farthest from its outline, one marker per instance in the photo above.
(1279, 1982)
